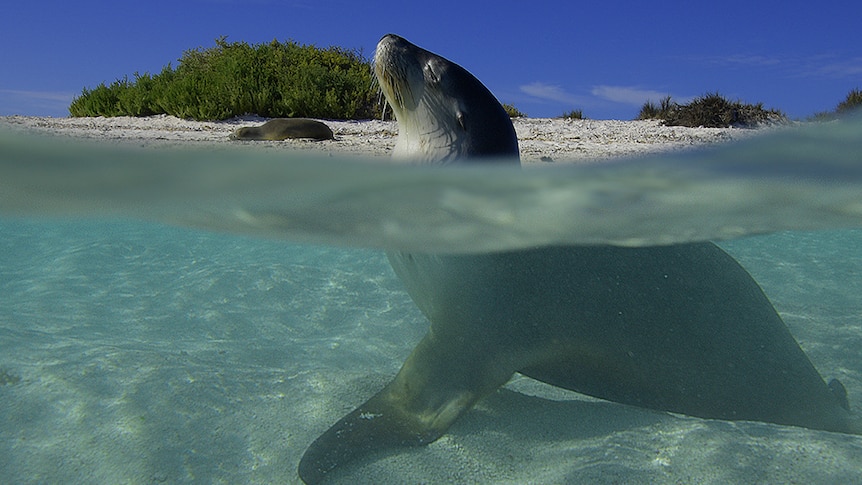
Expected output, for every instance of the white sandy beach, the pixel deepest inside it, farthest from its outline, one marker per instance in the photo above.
(540, 139)
(138, 353)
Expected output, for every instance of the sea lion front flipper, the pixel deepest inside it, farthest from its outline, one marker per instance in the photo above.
(837, 389)
(437, 383)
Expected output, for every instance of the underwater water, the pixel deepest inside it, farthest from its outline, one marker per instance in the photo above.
(151, 354)
(139, 352)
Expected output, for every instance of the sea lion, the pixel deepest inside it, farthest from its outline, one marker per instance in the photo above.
(681, 328)
(278, 129)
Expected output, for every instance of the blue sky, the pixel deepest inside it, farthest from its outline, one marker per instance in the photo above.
(605, 58)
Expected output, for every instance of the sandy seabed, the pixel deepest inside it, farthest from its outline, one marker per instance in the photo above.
(143, 354)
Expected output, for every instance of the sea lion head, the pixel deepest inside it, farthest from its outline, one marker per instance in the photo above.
(245, 133)
(444, 113)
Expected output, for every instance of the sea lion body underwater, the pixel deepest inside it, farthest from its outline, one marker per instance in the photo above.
(278, 129)
(681, 328)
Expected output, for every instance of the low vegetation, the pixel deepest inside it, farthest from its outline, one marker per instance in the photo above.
(711, 111)
(278, 79)
(852, 103)
(575, 114)
(513, 112)
(651, 111)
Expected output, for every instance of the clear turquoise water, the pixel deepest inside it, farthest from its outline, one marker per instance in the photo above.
(151, 354)
(138, 352)
(138, 345)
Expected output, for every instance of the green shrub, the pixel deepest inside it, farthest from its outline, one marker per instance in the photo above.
(574, 114)
(821, 116)
(853, 101)
(711, 111)
(513, 112)
(279, 79)
(651, 111)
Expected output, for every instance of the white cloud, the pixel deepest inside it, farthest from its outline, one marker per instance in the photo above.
(629, 95)
(745, 60)
(827, 65)
(34, 103)
(550, 92)
(38, 95)
(839, 69)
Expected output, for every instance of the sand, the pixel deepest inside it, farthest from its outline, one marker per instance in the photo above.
(541, 140)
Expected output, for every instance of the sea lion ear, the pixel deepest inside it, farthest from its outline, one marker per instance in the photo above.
(432, 75)
(461, 117)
